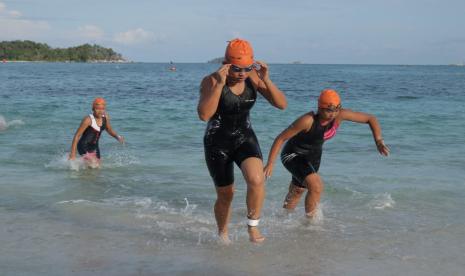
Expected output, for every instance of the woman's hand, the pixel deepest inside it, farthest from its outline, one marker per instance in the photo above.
(120, 139)
(222, 73)
(382, 148)
(268, 170)
(72, 156)
(262, 72)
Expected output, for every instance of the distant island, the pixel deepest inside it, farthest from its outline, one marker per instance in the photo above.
(216, 60)
(26, 50)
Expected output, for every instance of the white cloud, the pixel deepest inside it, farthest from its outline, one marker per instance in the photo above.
(90, 32)
(12, 26)
(14, 14)
(136, 36)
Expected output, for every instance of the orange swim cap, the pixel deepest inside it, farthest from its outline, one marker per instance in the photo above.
(99, 101)
(239, 52)
(329, 97)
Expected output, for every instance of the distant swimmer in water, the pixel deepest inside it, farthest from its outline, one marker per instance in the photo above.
(88, 134)
(226, 97)
(302, 153)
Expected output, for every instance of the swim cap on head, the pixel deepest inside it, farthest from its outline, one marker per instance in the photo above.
(239, 52)
(99, 101)
(329, 97)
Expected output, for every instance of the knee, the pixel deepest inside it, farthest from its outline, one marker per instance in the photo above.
(316, 187)
(225, 196)
(314, 183)
(297, 190)
(255, 181)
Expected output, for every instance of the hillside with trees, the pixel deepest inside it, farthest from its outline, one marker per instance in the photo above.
(32, 51)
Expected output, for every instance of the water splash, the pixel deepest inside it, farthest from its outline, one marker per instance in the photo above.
(143, 213)
(187, 204)
(382, 201)
(318, 217)
(189, 208)
(74, 201)
(62, 162)
(119, 158)
(113, 160)
(4, 124)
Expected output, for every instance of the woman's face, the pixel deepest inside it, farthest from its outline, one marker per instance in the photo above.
(99, 110)
(329, 113)
(240, 73)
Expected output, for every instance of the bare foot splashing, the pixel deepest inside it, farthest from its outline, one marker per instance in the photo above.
(315, 217)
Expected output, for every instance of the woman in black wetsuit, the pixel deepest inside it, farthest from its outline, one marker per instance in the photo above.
(88, 134)
(302, 153)
(226, 97)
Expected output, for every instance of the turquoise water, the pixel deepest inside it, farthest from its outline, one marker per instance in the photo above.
(148, 210)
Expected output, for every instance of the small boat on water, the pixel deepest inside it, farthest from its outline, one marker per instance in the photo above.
(172, 67)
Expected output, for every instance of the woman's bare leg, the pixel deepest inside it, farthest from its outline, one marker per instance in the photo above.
(293, 196)
(315, 189)
(223, 210)
(252, 170)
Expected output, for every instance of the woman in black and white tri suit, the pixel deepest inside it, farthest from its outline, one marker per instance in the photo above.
(86, 138)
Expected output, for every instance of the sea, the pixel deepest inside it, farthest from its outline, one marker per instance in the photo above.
(149, 209)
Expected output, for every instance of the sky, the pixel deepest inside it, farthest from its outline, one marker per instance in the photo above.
(309, 31)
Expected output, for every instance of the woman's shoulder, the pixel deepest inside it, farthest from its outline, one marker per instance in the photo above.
(86, 121)
(343, 114)
(309, 116)
(305, 121)
(208, 81)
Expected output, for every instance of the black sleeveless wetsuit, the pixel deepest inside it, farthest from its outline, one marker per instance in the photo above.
(302, 153)
(90, 137)
(229, 136)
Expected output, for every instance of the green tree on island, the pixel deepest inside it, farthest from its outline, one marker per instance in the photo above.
(32, 51)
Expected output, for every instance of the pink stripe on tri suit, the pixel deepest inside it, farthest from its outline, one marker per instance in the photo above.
(331, 132)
